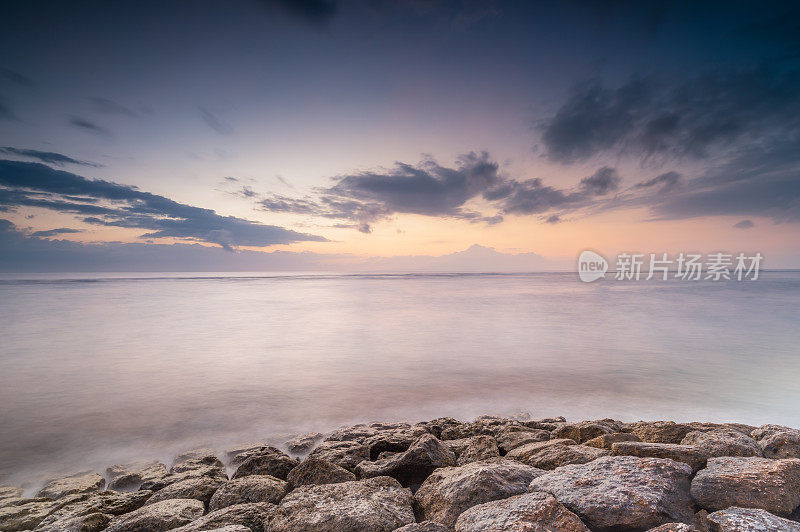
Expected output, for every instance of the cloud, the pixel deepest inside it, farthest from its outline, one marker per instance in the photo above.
(91, 127)
(54, 232)
(110, 107)
(602, 182)
(666, 182)
(111, 204)
(46, 157)
(315, 13)
(213, 122)
(744, 224)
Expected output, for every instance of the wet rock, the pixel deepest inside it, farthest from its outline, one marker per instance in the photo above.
(695, 457)
(585, 430)
(524, 452)
(478, 448)
(660, 431)
(79, 483)
(749, 520)
(254, 488)
(345, 454)
(317, 471)
(723, 442)
(195, 458)
(303, 443)
(521, 513)
(622, 491)
(749, 482)
(25, 514)
(425, 526)
(164, 515)
(372, 505)
(107, 503)
(776, 441)
(555, 456)
(200, 489)
(511, 439)
(130, 477)
(413, 466)
(251, 516)
(448, 491)
(265, 461)
(605, 441)
(394, 440)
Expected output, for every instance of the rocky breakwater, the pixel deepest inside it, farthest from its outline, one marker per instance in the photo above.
(489, 474)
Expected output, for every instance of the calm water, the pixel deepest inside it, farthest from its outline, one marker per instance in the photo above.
(101, 370)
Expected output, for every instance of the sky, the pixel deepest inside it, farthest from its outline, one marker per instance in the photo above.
(278, 134)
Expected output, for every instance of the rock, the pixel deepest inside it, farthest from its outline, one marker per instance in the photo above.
(622, 491)
(436, 426)
(25, 514)
(185, 471)
(555, 456)
(508, 440)
(195, 458)
(605, 441)
(8, 493)
(530, 512)
(253, 488)
(252, 516)
(413, 466)
(106, 503)
(749, 482)
(478, 448)
(200, 489)
(466, 430)
(448, 491)
(585, 430)
(373, 505)
(523, 452)
(549, 424)
(688, 454)
(130, 477)
(357, 433)
(660, 431)
(346, 454)
(164, 515)
(79, 483)
(394, 440)
(303, 443)
(674, 527)
(723, 442)
(83, 523)
(265, 461)
(749, 520)
(425, 526)
(776, 441)
(317, 471)
(231, 528)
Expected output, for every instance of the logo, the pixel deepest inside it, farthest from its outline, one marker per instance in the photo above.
(591, 266)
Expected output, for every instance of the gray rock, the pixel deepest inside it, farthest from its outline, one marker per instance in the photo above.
(530, 512)
(79, 483)
(345, 454)
(394, 440)
(622, 491)
(232, 528)
(524, 452)
(106, 503)
(253, 488)
(660, 431)
(448, 491)
(413, 466)
(357, 433)
(83, 523)
(303, 443)
(130, 477)
(478, 448)
(252, 516)
(586, 430)
(436, 426)
(554, 456)
(605, 441)
(508, 440)
(25, 514)
(195, 458)
(186, 471)
(723, 442)
(316, 471)
(164, 515)
(9, 493)
(749, 482)
(688, 454)
(425, 526)
(674, 527)
(749, 520)
(373, 505)
(776, 441)
(265, 461)
(200, 489)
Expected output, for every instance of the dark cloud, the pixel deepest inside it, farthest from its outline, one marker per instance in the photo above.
(602, 182)
(110, 107)
(213, 122)
(111, 204)
(665, 182)
(55, 232)
(744, 224)
(46, 157)
(91, 127)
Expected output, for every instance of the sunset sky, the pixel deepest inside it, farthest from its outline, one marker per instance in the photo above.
(375, 128)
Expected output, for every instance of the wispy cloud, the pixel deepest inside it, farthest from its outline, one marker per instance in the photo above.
(90, 127)
(213, 122)
(48, 157)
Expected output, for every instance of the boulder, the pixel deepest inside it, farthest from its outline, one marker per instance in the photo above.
(185, 471)
(357, 433)
(622, 491)
(164, 515)
(436, 426)
(660, 431)
(25, 514)
(425, 526)
(511, 439)
(413, 466)
(530, 512)
(253, 488)
(232, 528)
(394, 440)
(303, 443)
(266, 460)
(723, 442)
(586, 430)
(372, 505)
(605, 441)
(749, 520)
(524, 452)
(317, 471)
(674, 527)
(9, 493)
(195, 458)
(106, 503)
(201, 489)
(688, 454)
(466, 430)
(130, 477)
(554, 456)
(448, 491)
(478, 448)
(252, 516)
(79, 483)
(84, 523)
(776, 441)
(749, 482)
(345, 454)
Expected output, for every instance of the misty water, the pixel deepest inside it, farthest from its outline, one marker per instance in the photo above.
(102, 370)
